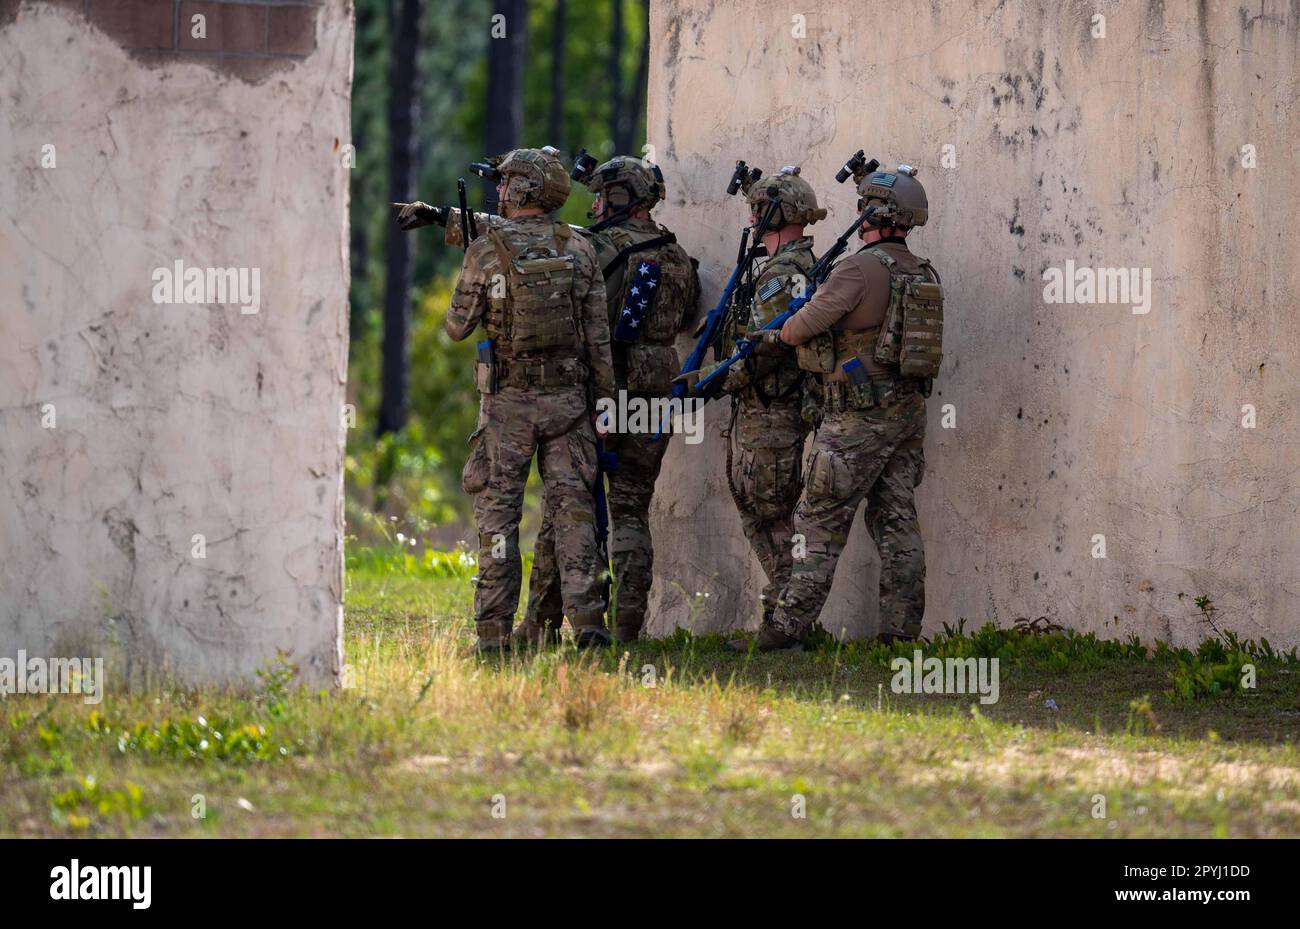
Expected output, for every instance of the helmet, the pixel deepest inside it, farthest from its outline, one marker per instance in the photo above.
(798, 202)
(625, 181)
(899, 197)
(534, 177)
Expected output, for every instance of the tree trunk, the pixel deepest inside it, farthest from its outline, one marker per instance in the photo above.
(555, 124)
(505, 91)
(405, 32)
(616, 115)
(359, 294)
(635, 111)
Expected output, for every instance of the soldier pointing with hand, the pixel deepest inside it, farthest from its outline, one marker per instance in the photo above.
(537, 290)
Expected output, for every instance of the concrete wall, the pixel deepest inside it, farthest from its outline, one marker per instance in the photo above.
(128, 428)
(1071, 420)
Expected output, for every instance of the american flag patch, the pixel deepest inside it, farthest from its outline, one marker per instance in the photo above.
(767, 290)
(640, 297)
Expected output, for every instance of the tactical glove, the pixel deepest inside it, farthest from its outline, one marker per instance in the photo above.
(414, 215)
(765, 339)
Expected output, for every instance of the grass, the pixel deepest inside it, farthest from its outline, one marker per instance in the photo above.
(666, 738)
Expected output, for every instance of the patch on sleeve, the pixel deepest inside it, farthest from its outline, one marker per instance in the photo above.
(768, 290)
(641, 292)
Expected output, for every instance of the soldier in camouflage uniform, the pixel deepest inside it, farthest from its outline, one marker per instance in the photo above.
(768, 424)
(873, 332)
(536, 288)
(631, 249)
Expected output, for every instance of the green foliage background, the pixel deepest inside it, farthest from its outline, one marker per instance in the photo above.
(413, 478)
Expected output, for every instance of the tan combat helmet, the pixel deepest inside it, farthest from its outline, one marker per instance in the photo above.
(897, 195)
(534, 177)
(627, 182)
(796, 196)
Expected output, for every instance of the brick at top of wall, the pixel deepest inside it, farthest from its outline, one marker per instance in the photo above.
(235, 28)
(141, 24)
(231, 28)
(291, 30)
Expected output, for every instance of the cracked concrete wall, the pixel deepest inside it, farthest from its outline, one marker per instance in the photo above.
(128, 428)
(1071, 420)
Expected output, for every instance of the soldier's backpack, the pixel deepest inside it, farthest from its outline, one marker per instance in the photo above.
(911, 336)
(657, 309)
(537, 315)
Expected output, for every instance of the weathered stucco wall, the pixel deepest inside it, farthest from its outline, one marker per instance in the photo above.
(1071, 420)
(128, 428)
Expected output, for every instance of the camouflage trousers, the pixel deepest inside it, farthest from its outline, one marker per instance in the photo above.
(514, 425)
(631, 487)
(765, 460)
(875, 454)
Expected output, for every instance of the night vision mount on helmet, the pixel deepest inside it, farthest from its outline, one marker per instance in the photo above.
(798, 202)
(898, 197)
(623, 181)
(533, 177)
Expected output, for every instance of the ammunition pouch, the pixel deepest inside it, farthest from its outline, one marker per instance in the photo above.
(541, 373)
(485, 377)
(840, 396)
(817, 355)
(828, 351)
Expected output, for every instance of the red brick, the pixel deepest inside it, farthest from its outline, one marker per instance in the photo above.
(135, 23)
(231, 27)
(292, 30)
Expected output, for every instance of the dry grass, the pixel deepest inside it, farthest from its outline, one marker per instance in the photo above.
(668, 738)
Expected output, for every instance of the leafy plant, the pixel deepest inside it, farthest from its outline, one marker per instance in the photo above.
(88, 800)
(191, 739)
(1140, 716)
(276, 676)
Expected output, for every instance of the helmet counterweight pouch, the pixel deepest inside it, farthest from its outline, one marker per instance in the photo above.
(911, 336)
(922, 344)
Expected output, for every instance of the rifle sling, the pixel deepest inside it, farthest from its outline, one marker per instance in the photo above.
(617, 260)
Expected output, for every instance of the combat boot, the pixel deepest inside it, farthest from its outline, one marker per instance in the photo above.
(589, 631)
(769, 639)
(529, 634)
(493, 637)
